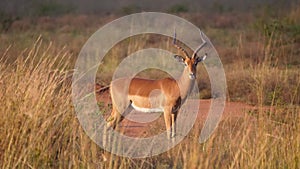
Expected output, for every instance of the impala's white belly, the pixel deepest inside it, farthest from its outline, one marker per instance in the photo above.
(147, 110)
(151, 104)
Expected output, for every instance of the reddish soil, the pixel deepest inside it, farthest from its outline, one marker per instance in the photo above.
(135, 129)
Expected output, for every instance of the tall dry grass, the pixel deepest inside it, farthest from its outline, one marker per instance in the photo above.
(38, 124)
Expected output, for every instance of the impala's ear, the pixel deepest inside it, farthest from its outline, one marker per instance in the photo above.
(200, 59)
(179, 58)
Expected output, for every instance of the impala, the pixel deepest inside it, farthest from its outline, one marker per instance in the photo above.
(162, 95)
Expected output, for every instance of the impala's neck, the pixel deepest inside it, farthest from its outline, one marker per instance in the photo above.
(185, 84)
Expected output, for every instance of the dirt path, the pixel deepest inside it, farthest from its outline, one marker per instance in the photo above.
(155, 121)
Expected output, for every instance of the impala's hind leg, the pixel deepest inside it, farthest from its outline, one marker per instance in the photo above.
(116, 117)
(113, 119)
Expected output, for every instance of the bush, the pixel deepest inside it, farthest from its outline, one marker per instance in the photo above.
(6, 21)
(53, 9)
(178, 8)
(130, 9)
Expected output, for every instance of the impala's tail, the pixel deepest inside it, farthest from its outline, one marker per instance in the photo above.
(101, 89)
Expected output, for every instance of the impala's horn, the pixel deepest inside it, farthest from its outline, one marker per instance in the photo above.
(200, 47)
(180, 49)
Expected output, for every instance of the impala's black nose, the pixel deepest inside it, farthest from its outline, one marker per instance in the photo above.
(192, 76)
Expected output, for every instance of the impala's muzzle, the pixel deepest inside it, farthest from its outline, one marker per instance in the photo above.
(192, 76)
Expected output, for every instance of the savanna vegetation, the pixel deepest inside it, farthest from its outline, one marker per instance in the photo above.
(260, 54)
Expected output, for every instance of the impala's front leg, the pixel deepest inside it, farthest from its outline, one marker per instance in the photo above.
(168, 118)
(173, 118)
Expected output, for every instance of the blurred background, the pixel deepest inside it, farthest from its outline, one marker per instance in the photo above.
(23, 8)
